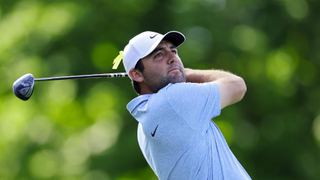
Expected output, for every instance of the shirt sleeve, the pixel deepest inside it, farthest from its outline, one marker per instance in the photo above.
(196, 103)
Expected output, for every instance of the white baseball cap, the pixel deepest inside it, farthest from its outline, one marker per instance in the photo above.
(144, 43)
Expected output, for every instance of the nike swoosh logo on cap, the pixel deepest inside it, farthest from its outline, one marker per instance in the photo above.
(151, 37)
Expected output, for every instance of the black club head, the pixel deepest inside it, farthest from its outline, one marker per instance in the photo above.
(23, 87)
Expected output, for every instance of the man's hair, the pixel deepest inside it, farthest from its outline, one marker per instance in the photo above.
(139, 66)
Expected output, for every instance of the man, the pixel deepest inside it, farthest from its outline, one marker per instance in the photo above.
(175, 107)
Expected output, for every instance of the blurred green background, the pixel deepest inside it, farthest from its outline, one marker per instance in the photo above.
(81, 129)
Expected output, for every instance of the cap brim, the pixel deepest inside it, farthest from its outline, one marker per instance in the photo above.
(175, 37)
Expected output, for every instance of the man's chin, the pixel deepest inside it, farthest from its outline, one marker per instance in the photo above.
(177, 79)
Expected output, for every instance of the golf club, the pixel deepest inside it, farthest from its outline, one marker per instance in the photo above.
(23, 87)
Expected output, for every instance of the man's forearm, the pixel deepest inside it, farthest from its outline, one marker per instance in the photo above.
(202, 76)
(232, 88)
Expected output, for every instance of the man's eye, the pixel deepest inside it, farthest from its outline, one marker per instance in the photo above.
(174, 51)
(158, 55)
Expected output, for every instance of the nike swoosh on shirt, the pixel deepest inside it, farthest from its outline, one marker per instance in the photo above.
(154, 132)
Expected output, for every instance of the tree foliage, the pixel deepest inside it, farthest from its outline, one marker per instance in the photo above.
(81, 130)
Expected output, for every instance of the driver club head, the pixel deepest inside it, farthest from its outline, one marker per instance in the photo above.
(23, 87)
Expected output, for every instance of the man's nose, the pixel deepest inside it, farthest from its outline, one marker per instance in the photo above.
(171, 57)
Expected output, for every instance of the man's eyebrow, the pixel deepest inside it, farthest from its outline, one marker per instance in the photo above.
(161, 48)
(173, 47)
(156, 50)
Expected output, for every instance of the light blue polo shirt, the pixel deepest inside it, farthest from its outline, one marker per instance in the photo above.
(177, 136)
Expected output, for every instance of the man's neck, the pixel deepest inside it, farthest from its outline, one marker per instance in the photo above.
(145, 89)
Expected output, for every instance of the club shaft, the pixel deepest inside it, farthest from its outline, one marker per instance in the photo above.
(109, 75)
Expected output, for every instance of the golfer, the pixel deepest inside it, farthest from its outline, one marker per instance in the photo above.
(175, 108)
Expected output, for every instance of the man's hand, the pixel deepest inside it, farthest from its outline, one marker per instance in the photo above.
(232, 88)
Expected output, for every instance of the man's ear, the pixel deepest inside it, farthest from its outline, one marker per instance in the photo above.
(136, 75)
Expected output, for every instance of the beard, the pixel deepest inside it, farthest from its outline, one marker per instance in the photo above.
(156, 81)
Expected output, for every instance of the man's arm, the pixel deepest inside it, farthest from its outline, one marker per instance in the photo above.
(232, 88)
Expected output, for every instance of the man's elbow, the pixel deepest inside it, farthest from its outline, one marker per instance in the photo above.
(231, 91)
(241, 89)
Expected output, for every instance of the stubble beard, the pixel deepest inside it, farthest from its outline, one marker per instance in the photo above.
(155, 81)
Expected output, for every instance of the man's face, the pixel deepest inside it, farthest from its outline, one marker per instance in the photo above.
(163, 66)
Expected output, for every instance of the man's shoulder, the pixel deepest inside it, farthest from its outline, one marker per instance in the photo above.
(137, 101)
